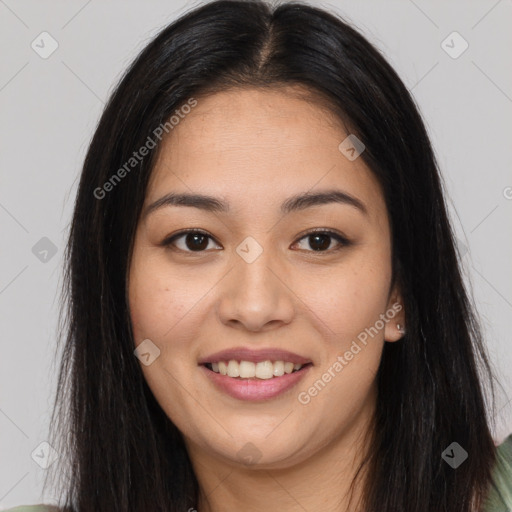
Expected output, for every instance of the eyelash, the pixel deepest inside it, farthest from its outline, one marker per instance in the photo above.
(344, 242)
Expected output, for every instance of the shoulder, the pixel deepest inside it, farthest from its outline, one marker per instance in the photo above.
(33, 508)
(500, 493)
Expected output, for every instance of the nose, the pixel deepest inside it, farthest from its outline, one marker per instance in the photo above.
(255, 296)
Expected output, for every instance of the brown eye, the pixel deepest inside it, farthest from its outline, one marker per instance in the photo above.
(193, 241)
(196, 241)
(320, 241)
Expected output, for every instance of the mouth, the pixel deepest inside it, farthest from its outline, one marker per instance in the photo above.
(262, 370)
(255, 382)
(254, 375)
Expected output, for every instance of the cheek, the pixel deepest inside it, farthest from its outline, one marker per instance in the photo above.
(146, 297)
(160, 310)
(159, 297)
(351, 298)
(154, 307)
(350, 311)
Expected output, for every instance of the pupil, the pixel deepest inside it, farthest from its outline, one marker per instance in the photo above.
(324, 242)
(196, 244)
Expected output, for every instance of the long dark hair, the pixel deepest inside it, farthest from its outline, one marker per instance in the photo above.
(121, 450)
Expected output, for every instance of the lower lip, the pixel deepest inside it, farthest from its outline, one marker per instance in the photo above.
(255, 389)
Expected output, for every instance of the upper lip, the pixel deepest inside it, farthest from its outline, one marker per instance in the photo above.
(256, 356)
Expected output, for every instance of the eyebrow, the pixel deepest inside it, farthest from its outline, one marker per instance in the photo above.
(292, 204)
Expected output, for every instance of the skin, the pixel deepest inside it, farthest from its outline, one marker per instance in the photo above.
(254, 149)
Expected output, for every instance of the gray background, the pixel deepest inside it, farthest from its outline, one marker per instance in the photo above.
(49, 109)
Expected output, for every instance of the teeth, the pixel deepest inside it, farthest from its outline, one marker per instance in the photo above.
(233, 369)
(264, 370)
(278, 368)
(223, 368)
(248, 369)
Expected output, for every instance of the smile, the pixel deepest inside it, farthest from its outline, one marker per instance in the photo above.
(246, 380)
(248, 369)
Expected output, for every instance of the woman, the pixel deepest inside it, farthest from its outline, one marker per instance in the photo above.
(266, 309)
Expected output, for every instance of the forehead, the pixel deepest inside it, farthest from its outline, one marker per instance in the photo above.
(249, 144)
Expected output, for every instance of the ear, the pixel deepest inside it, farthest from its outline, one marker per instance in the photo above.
(395, 312)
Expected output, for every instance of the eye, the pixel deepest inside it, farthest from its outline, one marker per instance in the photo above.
(196, 240)
(320, 241)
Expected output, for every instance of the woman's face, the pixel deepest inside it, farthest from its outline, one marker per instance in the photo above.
(257, 281)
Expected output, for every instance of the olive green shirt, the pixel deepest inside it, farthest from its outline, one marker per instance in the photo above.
(500, 494)
(499, 499)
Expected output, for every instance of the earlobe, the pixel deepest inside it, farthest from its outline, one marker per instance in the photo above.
(395, 328)
(394, 332)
